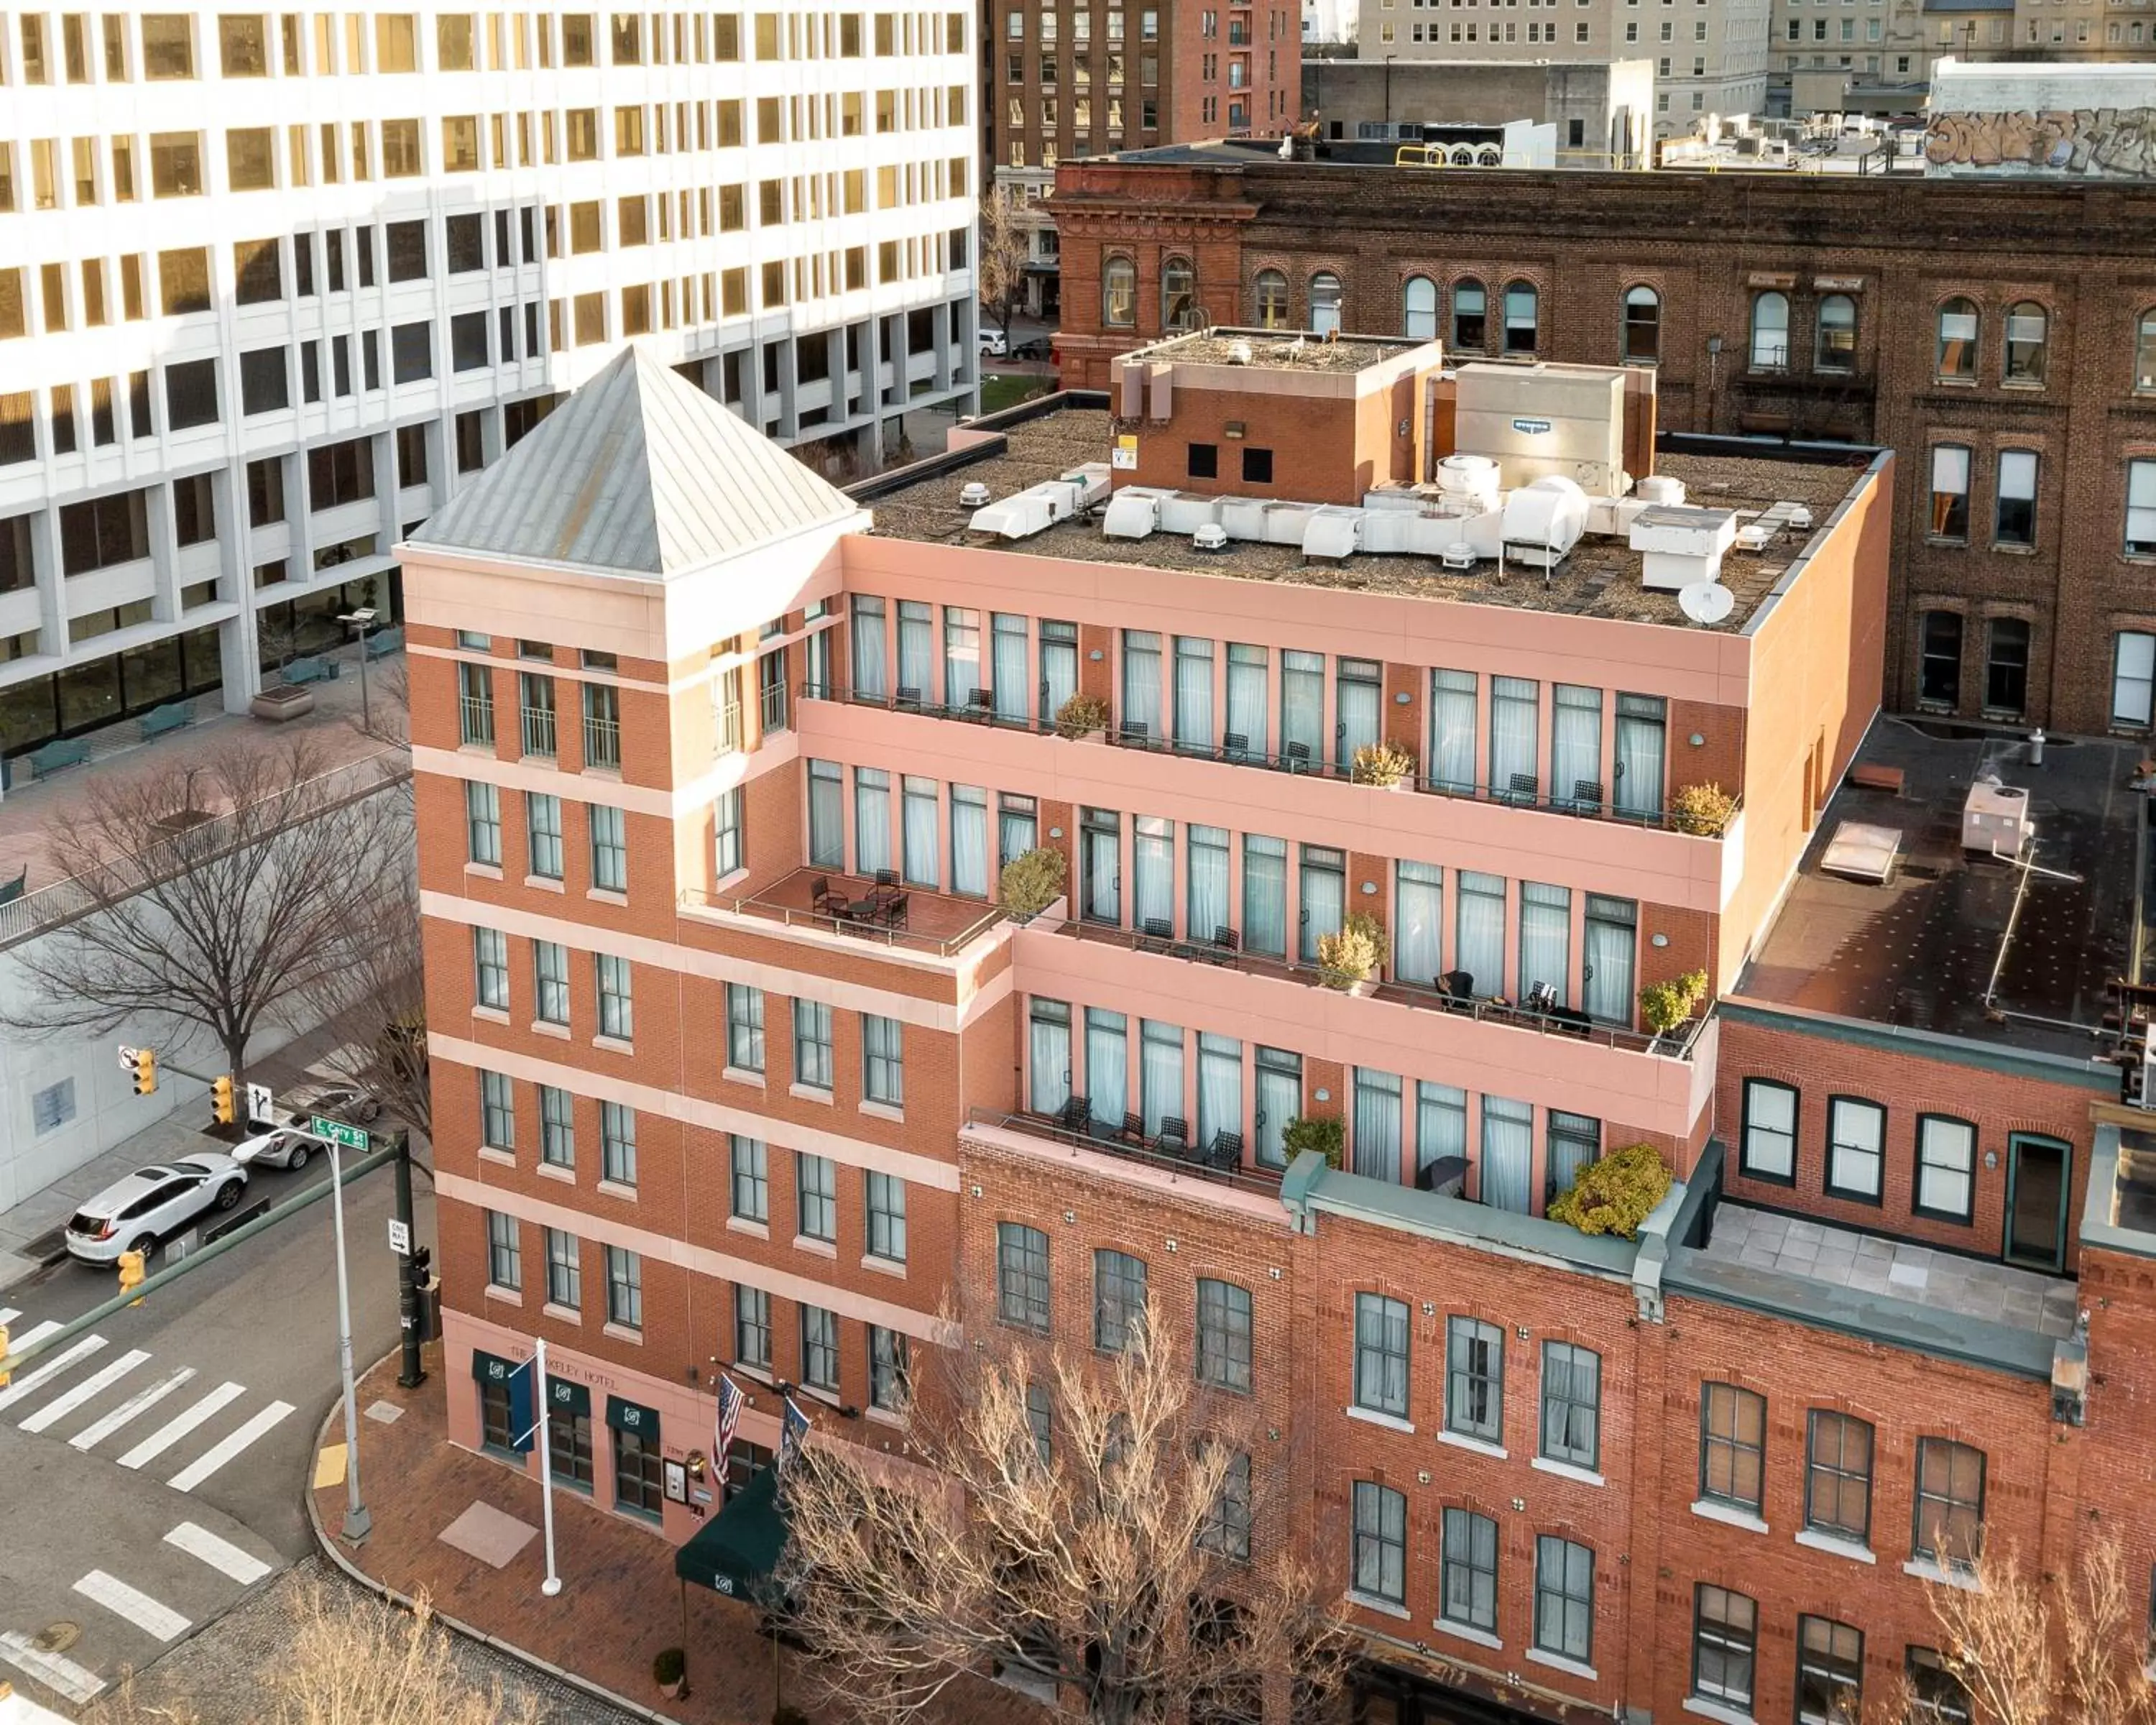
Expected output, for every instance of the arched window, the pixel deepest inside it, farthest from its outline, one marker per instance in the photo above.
(1836, 350)
(1178, 294)
(1489, 156)
(1521, 309)
(1324, 302)
(1119, 294)
(1270, 293)
(1958, 327)
(1419, 309)
(2027, 327)
(1471, 307)
(1463, 156)
(2144, 351)
(1770, 333)
(1643, 326)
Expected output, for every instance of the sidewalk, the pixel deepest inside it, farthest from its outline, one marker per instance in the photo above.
(619, 1603)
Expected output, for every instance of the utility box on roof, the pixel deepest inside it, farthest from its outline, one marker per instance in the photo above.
(1544, 422)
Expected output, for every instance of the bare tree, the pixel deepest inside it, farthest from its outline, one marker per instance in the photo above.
(225, 899)
(378, 1000)
(2050, 1649)
(1097, 1534)
(1002, 273)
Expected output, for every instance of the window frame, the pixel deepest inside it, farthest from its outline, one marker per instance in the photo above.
(1375, 1495)
(1733, 1442)
(1380, 1350)
(1732, 1643)
(1464, 1380)
(1116, 1320)
(1835, 1675)
(1569, 1400)
(1920, 1168)
(1745, 1165)
(1546, 1546)
(1467, 1522)
(1024, 1288)
(1226, 1362)
(1929, 1548)
(1832, 1187)
(1817, 1421)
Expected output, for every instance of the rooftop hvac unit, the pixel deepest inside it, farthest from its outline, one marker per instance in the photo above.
(1543, 421)
(1994, 818)
(1091, 478)
(973, 494)
(1458, 555)
(1285, 523)
(1470, 479)
(1030, 511)
(1755, 536)
(1243, 517)
(1659, 488)
(1541, 522)
(1132, 513)
(1679, 546)
(1332, 532)
(1187, 511)
(1212, 536)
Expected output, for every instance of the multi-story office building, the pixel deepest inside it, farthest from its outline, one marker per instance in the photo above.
(736, 1053)
(1709, 56)
(274, 286)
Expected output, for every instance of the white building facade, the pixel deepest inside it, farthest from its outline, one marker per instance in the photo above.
(273, 285)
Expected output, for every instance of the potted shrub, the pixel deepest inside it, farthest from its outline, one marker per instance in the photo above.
(1083, 717)
(670, 1671)
(1663, 1006)
(1705, 809)
(1324, 1133)
(1616, 1194)
(1346, 960)
(1032, 882)
(281, 701)
(1383, 765)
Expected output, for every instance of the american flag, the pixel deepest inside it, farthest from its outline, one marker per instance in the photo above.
(730, 1412)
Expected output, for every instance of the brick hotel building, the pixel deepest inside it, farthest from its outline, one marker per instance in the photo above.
(738, 1058)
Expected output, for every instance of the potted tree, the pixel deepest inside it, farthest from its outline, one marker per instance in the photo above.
(1616, 1194)
(1032, 882)
(1382, 764)
(1083, 717)
(1347, 959)
(1663, 1006)
(1703, 810)
(1324, 1133)
(670, 1671)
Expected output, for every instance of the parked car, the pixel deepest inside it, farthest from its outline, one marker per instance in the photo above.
(139, 1212)
(994, 343)
(276, 1145)
(340, 1101)
(1039, 347)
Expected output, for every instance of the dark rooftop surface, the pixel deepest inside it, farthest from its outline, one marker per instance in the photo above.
(1600, 579)
(1919, 951)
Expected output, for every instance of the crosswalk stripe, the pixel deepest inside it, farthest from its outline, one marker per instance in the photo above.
(64, 1675)
(8, 1315)
(220, 1554)
(30, 1381)
(187, 1478)
(30, 1337)
(151, 1616)
(91, 1436)
(60, 1406)
(172, 1430)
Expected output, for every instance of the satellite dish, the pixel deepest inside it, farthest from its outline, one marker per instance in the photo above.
(1705, 601)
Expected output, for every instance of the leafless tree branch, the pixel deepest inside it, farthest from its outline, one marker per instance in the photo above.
(1002, 275)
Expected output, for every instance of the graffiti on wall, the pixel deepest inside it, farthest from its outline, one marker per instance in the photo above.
(2097, 143)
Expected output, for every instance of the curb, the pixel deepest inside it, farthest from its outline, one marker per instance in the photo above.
(404, 1602)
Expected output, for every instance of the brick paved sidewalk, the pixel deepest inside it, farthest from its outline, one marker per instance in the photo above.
(619, 1602)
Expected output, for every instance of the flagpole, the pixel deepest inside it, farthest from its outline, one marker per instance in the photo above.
(552, 1584)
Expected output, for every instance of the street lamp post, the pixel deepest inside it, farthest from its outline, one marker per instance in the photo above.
(357, 1523)
(364, 620)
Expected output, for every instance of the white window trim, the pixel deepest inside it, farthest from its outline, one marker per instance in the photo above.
(1709, 1510)
(1835, 1545)
(1391, 1422)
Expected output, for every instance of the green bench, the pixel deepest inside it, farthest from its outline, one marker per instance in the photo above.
(58, 755)
(311, 671)
(10, 891)
(162, 721)
(382, 645)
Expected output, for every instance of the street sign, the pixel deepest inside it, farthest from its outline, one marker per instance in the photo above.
(127, 1057)
(400, 1237)
(352, 1137)
(260, 1102)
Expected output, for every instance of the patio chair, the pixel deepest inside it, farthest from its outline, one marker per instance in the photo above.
(980, 705)
(894, 912)
(1457, 985)
(1525, 787)
(821, 897)
(1227, 944)
(1174, 1134)
(1586, 796)
(1135, 732)
(909, 698)
(1225, 1153)
(1156, 934)
(1077, 1112)
(1133, 1127)
(1297, 756)
(1235, 745)
(886, 877)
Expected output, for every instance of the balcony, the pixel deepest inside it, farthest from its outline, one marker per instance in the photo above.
(883, 913)
(601, 742)
(474, 719)
(538, 732)
(1255, 1192)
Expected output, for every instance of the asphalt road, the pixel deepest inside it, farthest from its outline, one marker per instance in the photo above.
(150, 1472)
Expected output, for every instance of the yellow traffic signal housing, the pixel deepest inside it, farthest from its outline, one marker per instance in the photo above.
(130, 1272)
(220, 1101)
(5, 1374)
(146, 1071)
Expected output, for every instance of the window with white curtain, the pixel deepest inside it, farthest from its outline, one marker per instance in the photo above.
(1576, 746)
(1545, 939)
(2015, 518)
(1612, 938)
(1515, 739)
(1569, 1142)
(1642, 739)
(1478, 937)
(1440, 1122)
(1107, 1062)
(1140, 714)
(1047, 1055)
(1770, 333)
(918, 812)
(1768, 1139)
(1323, 884)
(1219, 1087)
(1100, 831)
(1279, 1100)
(1194, 694)
(1359, 688)
(870, 649)
(883, 1061)
(1208, 886)
(1264, 895)
(729, 837)
(1946, 1167)
(1508, 1154)
(1059, 667)
(1302, 707)
(917, 652)
(1018, 826)
(1152, 861)
(2132, 680)
(1855, 1147)
(1418, 916)
(871, 821)
(1007, 667)
(1248, 718)
(1376, 1149)
(962, 656)
(969, 840)
(1452, 695)
(1160, 1074)
(1521, 318)
(1419, 309)
(827, 815)
(2141, 509)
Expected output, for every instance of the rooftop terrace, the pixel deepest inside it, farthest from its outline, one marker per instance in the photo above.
(1600, 579)
(1261, 351)
(1955, 941)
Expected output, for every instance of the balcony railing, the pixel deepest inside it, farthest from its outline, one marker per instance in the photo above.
(602, 741)
(728, 715)
(1078, 1131)
(538, 731)
(771, 708)
(883, 914)
(1586, 800)
(1567, 1023)
(475, 719)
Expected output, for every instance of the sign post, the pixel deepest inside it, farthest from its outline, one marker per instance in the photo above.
(260, 1105)
(337, 1135)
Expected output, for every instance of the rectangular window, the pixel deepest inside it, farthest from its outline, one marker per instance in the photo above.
(618, 1143)
(1732, 1445)
(1937, 1697)
(497, 1111)
(617, 1009)
(752, 1327)
(1022, 1277)
(483, 823)
(1226, 1529)
(883, 1061)
(744, 1028)
(1119, 1299)
(1949, 492)
(1467, 1571)
(1380, 1563)
(1946, 1168)
(2006, 666)
(816, 1196)
(565, 1276)
(1564, 1598)
(729, 837)
(1725, 1644)
(625, 1288)
(812, 1044)
(886, 1209)
(1571, 1404)
(491, 960)
(1950, 1503)
(1856, 1144)
(1829, 1673)
(558, 1128)
(819, 1349)
(550, 965)
(2016, 520)
(890, 1369)
(609, 847)
(1224, 1335)
(2141, 509)
(1769, 1132)
(1474, 1379)
(542, 816)
(1838, 1475)
(751, 1179)
(504, 1256)
(2133, 680)
(1381, 1355)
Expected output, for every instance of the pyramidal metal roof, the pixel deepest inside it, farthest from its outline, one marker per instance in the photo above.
(638, 471)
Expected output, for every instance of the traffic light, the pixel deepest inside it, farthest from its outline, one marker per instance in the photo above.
(5, 1374)
(220, 1101)
(146, 1071)
(130, 1272)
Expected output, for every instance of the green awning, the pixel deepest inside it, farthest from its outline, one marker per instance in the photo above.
(633, 1416)
(738, 1551)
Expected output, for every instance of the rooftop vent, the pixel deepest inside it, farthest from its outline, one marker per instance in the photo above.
(1994, 818)
(1211, 536)
(974, 494)
(1239, 353)
(1679, 545)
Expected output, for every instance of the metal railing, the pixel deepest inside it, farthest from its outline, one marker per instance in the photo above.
(729, 714)
(771, 708)
(475, 719)
(538, 731)
(868, 931)
(1312, 764)
(602, 741)
(1107, 1141)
